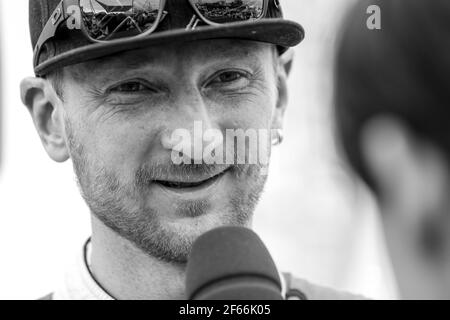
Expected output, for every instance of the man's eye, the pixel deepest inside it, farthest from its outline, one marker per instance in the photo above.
(130, 87)
(229, 76)
(233, 79)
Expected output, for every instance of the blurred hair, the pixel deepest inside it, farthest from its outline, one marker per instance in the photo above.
(402, 70)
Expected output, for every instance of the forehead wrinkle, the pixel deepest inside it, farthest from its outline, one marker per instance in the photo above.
(175, 56)
(221, 49)
(107, 67)
(127, 60)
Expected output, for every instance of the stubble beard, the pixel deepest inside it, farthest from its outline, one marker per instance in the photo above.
(121, 207)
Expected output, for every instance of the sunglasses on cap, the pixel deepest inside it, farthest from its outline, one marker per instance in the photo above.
(108, 20)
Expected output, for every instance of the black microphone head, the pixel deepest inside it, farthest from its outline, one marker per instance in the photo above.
(231, 263)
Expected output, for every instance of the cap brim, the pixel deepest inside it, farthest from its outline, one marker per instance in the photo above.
(279, 32)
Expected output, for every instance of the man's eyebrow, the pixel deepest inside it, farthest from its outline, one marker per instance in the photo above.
(109, 66)
(106, 69)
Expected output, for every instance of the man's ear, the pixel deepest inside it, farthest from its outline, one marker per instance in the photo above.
(46, 110)
(287, 60)
(283, 70)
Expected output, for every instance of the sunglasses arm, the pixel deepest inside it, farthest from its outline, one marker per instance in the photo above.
(59, 15)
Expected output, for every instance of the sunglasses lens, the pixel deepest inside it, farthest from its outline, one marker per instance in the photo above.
(224, 11)
(113, 19)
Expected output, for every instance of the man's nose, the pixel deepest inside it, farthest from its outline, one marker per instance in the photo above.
(189, 122)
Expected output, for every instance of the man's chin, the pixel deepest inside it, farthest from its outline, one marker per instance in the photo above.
(184, 231)
(188, 224)
(171, 241)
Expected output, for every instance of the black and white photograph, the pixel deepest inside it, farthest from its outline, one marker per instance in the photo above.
(250, 151)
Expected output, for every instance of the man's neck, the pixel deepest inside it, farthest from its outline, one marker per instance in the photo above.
(127, 273)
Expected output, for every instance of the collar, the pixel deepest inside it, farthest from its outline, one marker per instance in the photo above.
(80, 284)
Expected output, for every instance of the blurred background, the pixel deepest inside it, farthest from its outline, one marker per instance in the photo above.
(317, 220)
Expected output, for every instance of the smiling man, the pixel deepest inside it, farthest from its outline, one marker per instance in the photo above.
(114, 81)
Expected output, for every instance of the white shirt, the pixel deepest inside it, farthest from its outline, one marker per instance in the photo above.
(79, 283)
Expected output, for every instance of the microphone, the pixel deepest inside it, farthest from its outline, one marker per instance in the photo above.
(231, 263)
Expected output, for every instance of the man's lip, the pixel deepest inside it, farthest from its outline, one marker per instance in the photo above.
(185, 185)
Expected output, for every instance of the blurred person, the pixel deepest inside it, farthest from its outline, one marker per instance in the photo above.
(109, 92)
(393, 121)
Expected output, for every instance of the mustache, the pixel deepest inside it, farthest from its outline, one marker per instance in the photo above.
(168, 172)
(148, 173)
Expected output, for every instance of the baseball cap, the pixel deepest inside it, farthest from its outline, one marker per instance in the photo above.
(72, 47)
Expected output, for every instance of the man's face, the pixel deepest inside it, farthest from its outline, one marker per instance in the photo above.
(120, 113)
